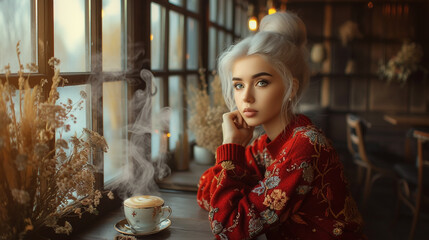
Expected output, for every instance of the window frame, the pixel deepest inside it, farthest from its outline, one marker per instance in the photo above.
(137, 14)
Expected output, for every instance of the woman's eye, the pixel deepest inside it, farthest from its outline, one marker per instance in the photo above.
(238, 86)
(262, 83)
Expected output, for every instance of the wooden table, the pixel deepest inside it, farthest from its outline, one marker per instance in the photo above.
(408, 120)
(188, 221)
(411, 121)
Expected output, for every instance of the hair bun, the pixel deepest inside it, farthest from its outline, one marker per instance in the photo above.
(287, 24)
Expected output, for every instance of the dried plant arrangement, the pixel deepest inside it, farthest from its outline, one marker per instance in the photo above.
(206, 113)
(42, 177)
(403, 64)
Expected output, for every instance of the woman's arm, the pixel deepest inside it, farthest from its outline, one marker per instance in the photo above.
(208, 179)
(240, 210)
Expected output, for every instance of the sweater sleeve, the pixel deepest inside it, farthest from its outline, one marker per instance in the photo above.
(241, 209)
(208, 179)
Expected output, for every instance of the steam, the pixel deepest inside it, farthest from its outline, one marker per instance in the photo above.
(139, 173)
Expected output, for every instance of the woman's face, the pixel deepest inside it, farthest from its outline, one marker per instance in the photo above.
(258, 91)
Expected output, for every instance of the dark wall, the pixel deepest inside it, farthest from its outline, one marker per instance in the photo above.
(384, 27)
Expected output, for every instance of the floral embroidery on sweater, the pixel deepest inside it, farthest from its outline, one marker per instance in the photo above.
(290, 187)
(314, 135)
(276, 200)
(270, 183)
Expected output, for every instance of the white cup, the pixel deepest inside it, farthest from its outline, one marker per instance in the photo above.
(145, 212)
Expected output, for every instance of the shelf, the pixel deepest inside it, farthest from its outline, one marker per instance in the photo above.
(340, 75)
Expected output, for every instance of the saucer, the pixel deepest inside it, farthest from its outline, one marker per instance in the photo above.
(122, 228)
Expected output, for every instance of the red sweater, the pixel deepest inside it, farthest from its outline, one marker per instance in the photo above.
(290, 188)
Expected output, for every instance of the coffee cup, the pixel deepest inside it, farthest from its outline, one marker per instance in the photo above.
(145, 212)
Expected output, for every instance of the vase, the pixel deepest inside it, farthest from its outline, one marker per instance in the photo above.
(203, 156)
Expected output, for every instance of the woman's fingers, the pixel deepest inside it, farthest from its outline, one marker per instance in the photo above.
(236, 118)
(235, 129)
(233, 117)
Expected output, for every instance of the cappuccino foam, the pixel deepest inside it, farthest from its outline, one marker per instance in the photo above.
(143, 201)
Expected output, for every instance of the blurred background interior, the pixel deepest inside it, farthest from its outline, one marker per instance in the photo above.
(369, 88)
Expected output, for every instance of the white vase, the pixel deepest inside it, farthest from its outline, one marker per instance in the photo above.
(203, 156)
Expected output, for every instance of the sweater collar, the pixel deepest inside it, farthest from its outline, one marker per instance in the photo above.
(275, 146)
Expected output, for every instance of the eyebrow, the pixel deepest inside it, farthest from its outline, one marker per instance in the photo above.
(254, 76)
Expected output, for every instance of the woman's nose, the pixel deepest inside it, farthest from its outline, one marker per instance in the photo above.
(248, 95)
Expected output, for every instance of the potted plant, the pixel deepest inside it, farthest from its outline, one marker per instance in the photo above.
(42, 177)
(206, 118)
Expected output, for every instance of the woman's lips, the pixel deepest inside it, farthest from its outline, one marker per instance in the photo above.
(248, 112)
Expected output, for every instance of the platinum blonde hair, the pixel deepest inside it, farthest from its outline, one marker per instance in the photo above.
(281, 41)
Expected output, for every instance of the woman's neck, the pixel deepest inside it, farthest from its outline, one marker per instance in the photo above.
(274, 127)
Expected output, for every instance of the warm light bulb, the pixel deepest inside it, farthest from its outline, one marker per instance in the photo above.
(168, 134)
(253, 24)
(151, 37)
(272, 10)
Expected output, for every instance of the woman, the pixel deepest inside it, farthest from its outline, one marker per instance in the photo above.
(289, 183)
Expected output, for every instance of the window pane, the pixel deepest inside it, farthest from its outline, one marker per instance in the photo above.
(83, 114)
(175, 102)
(157, 37)
(212, 48)
(113, 44)
(229, 8)
(220, 42)
(192, 44)
(244, 28)
(158, 129)
(115, 127)
(191, 81)
(213, 10)
(192, 5)
(175, 53)
(176, 2)
(71, 35)
(17, 23)
(237, 21)
(228, 40)
(221, 13)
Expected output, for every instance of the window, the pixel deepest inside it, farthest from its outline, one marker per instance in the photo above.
(88, 57)
(71, 38)
(97, 43)
(178, 28)
(222, 31)
(175, 28)
(18, 23)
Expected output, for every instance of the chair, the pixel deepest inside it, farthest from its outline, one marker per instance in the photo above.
(376, 165)
(413, 182)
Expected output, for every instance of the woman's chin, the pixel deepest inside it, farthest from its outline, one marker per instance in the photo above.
(251, 123)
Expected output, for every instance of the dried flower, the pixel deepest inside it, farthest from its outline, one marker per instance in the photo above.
(78, 211)
(29, 226)
(21, 196)
(96, 140)
(110, 195)
(403, 64)
(54, 62)
(67, 229)
(206, 116)
(83, 94)
(40, 178)
(21, 162)
(32, 67)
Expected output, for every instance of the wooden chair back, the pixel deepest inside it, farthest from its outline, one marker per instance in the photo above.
(355, 138)
(422, 161)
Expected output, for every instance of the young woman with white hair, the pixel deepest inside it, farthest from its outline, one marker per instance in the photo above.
(288, 183)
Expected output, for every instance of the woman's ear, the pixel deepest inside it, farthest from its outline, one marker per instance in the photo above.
(295, 87)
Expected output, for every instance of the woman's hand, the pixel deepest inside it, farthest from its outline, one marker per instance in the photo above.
(235, 129)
